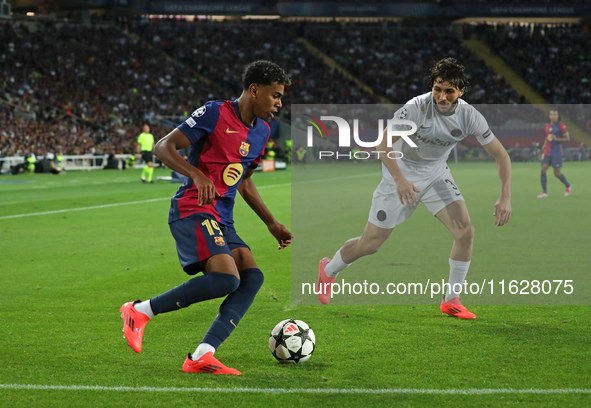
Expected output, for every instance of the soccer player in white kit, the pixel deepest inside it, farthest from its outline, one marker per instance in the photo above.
(421, 175)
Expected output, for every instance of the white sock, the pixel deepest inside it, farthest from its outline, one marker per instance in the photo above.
(145, 308)
(202, 349)
(457, 275)
(336, 265)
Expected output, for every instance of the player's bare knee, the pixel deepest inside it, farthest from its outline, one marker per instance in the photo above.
(465, 235)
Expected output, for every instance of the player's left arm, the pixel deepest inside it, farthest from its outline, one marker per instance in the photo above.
(565, 135)
(503, 205)
(250, 194)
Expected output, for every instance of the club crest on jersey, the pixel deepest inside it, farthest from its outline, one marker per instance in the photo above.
(233, 173)
(219, 241)
(244, 148)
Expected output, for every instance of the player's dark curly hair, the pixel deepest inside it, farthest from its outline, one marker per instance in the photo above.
(264, 73)
(449, 69)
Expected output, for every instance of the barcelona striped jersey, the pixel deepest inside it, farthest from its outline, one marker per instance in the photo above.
(554, 148)
(222, 147)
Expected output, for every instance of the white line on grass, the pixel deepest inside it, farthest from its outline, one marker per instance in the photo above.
(82, 208)
(105, 206)
(7, 217)
(467, 391)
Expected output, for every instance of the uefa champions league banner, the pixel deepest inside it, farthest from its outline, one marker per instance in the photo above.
(356, 9)
(360, 9)
(336, 170)
(210, 8)
(295, 8)
(491, 9)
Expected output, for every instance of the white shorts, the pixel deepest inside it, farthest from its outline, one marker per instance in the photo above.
(438, 190)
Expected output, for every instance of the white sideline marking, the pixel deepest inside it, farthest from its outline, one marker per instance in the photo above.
(467, 391)
(109, 205)
(7, 217)
(82, 208)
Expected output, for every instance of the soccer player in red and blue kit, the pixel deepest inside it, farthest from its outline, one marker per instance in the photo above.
(227, 140)
(556, 133)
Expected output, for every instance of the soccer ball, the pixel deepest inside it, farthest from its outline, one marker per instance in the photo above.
(292, 341)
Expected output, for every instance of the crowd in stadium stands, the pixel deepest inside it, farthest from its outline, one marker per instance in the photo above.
(77, 89)
(219, 52)
(95, 85)
(394, 60)
(554, 60)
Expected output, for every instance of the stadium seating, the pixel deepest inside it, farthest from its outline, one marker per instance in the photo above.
(89, 88)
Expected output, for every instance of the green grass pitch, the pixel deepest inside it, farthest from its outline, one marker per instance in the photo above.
(75, 247)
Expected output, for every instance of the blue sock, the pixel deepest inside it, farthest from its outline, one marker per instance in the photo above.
(544, 180)
(208, 286)
(234, 307)
(563, 179)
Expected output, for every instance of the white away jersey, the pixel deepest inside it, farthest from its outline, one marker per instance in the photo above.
(437, 133)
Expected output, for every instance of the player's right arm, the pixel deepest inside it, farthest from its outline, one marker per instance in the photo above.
(167, 150)
(406, 190)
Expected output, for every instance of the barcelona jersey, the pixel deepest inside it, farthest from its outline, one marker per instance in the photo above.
(222, 147)
(554, 148)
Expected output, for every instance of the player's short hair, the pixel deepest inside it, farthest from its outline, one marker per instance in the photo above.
(263, 72)
(450, 70)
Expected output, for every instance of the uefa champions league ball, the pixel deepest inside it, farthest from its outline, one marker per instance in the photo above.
(292, 341)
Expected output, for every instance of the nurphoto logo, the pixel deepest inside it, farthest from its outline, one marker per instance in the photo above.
(394, 128)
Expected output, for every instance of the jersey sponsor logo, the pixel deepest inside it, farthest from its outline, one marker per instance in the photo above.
(233, 173)
(191, 122)
(244, 148)
(219, 241)
(199, 112)
(231, 131)
(433, 141)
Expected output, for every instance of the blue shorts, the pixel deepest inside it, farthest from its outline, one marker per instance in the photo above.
(199, 237)
(552, 160)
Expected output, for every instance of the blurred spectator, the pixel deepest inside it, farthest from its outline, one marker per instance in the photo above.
(301, 156)
(582, 153)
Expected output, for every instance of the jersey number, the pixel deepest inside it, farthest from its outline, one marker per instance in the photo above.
(453, 186)
(211, 225)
